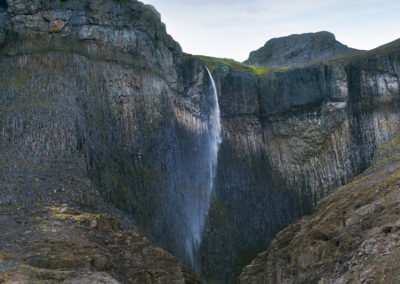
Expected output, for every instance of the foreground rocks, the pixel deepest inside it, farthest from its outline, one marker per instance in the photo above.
(62, 245)
(353, 236)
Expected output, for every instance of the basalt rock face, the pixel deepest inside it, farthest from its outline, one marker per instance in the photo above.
(353, 236)
(98, 108)
(299, 50)
(295, 137)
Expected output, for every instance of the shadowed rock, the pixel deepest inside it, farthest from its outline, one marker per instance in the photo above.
(353, 236)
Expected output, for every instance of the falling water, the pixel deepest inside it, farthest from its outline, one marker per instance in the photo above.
(201, 205)
(214, 133)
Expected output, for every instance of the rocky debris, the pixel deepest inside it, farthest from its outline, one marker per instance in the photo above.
(63, 245)
(353, 236)
(299, 50)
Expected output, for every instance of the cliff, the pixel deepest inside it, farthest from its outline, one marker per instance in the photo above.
(299, 50)
(84, 116)
(100, 110)
(353, 236)
(289, 139)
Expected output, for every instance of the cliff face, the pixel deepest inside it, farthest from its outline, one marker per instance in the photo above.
(353, 236)
(299, 50)
(291, 138)
(96, 101)
(100, 108)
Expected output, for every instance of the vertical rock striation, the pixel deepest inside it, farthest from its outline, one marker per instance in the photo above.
(352, 237)
(291, 138)
(96, 99)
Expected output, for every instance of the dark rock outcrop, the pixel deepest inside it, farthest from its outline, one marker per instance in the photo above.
(299, 50)
(353, 236)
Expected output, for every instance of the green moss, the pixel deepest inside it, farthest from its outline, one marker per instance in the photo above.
(54, 209)
(78, 218)
(391, 145)
(336, 253)
(329, 207)
(360, 55)
(213, 62)
(288, 269)
(393, 179)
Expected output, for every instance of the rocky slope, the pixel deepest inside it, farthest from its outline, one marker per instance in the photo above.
(99, 108)
(353, 236)
(62, 245)
(299, 50)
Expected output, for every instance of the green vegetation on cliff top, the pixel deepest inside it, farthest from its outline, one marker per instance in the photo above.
(213, 62)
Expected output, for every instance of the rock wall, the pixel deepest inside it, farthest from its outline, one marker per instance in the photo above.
(96, 99)
(291, 138)
(351, 238)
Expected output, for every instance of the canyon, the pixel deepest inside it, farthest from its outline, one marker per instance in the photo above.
(101, 110)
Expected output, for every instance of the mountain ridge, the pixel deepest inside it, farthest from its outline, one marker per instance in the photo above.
(298, 50)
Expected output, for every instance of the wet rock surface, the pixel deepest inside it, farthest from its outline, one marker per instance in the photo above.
(353, 236)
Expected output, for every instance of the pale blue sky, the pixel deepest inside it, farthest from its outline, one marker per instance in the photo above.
(233, 28)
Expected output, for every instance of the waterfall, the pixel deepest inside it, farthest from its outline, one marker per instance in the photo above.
(214, 133)
(200, 206)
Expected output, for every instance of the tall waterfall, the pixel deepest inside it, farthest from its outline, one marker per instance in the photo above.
(199, 208)
(214, 132)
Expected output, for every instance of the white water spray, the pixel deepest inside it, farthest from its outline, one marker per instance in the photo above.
(200, 205)
(214, 130)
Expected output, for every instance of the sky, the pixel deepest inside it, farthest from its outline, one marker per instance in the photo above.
(233, 28)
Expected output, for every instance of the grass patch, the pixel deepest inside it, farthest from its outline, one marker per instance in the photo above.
(56, 211)
(288, 269)
(213, 62)
(329, 206)
(393, 179)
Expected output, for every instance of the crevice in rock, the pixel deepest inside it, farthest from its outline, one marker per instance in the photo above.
(3, 4)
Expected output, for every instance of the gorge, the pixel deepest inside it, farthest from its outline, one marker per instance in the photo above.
(101, 110)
